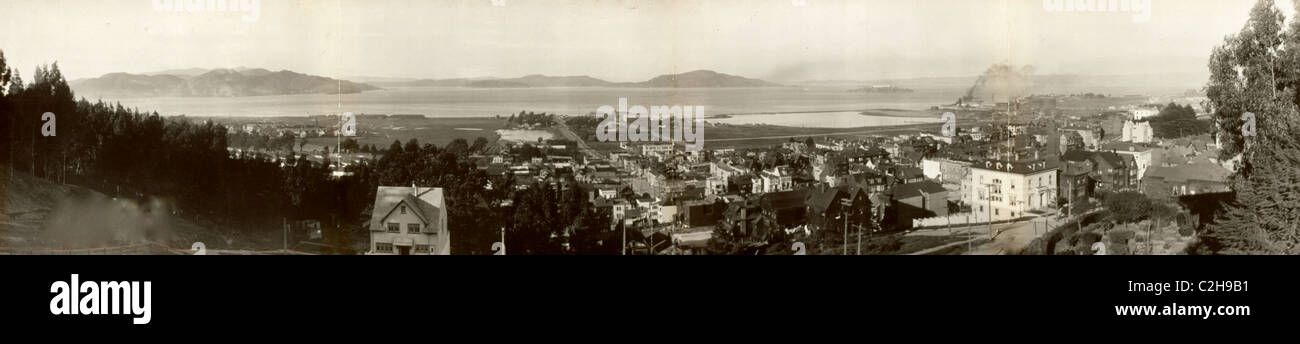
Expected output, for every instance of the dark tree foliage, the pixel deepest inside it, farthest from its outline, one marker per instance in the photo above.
(133, 155)
(1176, 121)
(349, 145)
(592, 233)
(530, 118)
(1127, 206)
(1255, 71)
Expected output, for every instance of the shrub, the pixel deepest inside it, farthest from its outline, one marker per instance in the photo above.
(1121, 236)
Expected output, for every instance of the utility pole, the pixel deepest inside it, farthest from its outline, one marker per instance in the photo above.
(949, 216)
(970, 233)
(650, 241)
(859, 239)
(847, 203)
(338, 134)
(988, 196)
(848, 208)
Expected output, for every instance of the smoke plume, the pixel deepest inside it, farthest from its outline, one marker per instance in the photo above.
(1001, 83)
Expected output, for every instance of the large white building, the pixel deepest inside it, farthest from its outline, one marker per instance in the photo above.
(1137, 132)
(777, 178)
(1004, 191)
(409, 220)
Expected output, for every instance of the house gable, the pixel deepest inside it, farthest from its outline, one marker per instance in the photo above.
(411, 210)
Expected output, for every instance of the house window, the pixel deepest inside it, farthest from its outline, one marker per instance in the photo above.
(403, 209)
(412, 228)
(421, 249)
(393, 227)
(383, 247)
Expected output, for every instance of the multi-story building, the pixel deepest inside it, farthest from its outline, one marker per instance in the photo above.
(1074, 184)
(1143, 155)
(1109, 170)
(1137, 132)
(777, 178)
(1070, 140)
(1007, 190)
(409, 220)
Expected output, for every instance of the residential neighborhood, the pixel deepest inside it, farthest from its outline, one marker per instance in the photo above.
(1034, 176)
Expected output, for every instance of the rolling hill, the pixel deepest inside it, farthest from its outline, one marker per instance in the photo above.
(699, 78)
(214, 83)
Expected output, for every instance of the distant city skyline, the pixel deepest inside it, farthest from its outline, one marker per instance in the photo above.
(620, 41)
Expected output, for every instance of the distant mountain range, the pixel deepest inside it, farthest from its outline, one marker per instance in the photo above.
(239, 82)
(220, 82)
(693, 79)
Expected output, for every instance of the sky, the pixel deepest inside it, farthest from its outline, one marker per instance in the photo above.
(630, 40)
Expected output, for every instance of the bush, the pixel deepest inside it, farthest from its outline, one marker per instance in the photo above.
(1083, 242)
(882, 245)
(1121, 236)
(1117, 249)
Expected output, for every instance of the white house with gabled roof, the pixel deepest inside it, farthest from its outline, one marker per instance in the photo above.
(409, 220)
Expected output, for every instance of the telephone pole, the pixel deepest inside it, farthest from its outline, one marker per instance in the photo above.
(847, 203)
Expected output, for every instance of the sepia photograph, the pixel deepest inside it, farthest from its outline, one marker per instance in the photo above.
(299, 141)
(804, 127)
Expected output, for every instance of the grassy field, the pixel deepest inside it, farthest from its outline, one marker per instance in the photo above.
(438, 131)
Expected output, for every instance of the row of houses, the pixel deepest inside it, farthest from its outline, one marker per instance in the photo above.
(839, 184)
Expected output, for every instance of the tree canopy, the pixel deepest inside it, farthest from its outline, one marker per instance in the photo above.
(1256, 71)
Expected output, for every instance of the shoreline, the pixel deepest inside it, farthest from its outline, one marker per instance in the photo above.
(890, 112)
